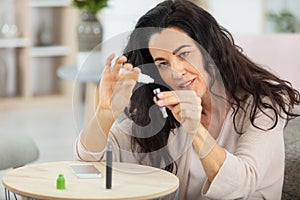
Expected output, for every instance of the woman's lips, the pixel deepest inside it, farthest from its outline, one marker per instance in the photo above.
(186, 85)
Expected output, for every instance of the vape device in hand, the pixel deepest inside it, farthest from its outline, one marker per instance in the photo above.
(162, 108)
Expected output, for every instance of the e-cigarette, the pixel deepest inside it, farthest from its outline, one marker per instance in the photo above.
(108, 165)
(162, 108)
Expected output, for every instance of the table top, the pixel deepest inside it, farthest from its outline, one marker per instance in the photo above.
(129, 181)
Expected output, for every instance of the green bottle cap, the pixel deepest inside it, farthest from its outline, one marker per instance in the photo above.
(60, 182)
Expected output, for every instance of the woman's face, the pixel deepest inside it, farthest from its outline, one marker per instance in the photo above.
(179, 60)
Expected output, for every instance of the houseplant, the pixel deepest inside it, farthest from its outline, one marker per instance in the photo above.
(284, 21)
(89, 30)
(90, 5)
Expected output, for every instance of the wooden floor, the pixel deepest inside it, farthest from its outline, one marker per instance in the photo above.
(54, 130)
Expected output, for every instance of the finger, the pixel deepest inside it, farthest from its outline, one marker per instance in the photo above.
(136, 69)
(108, 61)
(125, 84)
(155, 100)
(167, 100)
(184, 110)
(176, 110)
(174, 97)
(124, 87)
(179, 93)
(96, 98)
(128, 66)
(119, 62)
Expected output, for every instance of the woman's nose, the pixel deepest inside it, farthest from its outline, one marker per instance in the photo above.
(178, 70)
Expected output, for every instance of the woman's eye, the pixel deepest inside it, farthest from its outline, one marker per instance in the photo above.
(162, 65)
(184, 54)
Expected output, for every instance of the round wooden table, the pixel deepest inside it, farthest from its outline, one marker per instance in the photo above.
(129, 181)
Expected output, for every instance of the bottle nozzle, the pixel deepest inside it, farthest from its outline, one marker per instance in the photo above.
(143, 78)
(139, 77)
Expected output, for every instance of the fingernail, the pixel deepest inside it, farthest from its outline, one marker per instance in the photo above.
(160, 103)
(160, 95)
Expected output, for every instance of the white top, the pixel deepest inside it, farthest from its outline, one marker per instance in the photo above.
(253, 168)
(197, 174)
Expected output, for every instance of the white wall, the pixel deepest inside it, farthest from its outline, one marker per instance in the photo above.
(118, 20)
(277, 52)
(250, 16)
(238, 16)
(7, 12)
(120, 16)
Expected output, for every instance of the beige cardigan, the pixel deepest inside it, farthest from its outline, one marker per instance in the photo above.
(253, 168)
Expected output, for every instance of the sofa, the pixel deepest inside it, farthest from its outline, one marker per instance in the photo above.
(17, 150)
(291, 186)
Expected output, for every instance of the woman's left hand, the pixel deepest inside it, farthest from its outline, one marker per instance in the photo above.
(185, 106)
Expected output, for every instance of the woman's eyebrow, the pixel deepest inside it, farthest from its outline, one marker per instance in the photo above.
(178, 49)
(159, 58)
(174, 52)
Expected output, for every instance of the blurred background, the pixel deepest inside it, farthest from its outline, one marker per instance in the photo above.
(44, 45)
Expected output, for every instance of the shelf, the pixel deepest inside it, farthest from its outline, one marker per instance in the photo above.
(49, 51)
(30, 70)
(50, 3)
(72, 73)
(13, 42)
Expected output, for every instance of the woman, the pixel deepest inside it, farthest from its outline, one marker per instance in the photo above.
(223, 136)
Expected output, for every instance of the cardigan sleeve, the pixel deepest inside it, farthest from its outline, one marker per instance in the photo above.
(82, 154)
(119, 135)
(243, 171)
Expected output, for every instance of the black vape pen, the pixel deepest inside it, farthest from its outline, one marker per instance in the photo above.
(108, 165)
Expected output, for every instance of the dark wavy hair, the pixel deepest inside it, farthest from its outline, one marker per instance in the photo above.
(241, 77)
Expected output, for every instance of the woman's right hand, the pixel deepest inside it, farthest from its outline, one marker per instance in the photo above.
(114, 92)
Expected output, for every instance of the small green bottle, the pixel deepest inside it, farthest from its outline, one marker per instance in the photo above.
(60, 182)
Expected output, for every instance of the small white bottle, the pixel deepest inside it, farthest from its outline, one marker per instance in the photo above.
(139, 77)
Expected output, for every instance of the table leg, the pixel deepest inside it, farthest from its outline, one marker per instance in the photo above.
(176, 195)
(7, 194)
